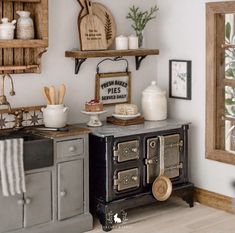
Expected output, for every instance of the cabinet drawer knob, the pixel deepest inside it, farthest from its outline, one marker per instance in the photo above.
(27, 201)
(20, 202)
(62, 193)
(72, 148)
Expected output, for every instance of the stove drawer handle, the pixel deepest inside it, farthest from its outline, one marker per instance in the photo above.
(135, 150)
(134, 178)
(151, 161)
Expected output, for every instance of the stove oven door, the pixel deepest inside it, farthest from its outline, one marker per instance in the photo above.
(127, 179)
(126, 151)
(127, 166)
(173, 164)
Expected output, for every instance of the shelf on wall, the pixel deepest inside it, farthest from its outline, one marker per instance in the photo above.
(30, 1)
(81, 56)
(16, 43)
(24, 56)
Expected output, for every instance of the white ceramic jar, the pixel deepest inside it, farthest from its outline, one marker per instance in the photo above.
(25, 26)
(121, 42)
(154, 103)
(55, 116)
(7, 29)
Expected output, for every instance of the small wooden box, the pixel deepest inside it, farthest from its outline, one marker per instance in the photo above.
(135, 121)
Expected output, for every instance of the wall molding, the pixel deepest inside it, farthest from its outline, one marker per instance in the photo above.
(215, 200)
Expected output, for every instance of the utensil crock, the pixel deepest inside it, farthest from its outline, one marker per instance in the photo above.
(55, 116)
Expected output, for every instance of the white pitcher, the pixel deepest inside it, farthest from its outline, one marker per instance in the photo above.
(25, 26)
(7, 29)
(55, 116)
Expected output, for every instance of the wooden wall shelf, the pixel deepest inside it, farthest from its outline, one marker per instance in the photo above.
(81, 56)
(24, 56)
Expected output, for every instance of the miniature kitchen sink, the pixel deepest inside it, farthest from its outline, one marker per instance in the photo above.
(38, 150)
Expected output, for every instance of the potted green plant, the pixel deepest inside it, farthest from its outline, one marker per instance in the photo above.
(140, 19)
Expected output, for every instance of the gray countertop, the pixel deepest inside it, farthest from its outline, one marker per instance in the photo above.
(147, 127)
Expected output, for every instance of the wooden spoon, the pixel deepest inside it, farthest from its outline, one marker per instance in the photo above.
(62, 91)
(46, 95)
(52, 95)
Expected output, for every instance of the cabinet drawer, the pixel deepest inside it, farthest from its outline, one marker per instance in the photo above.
(70, 148)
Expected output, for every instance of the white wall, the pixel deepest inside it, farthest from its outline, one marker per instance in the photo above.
(56, 69)
(181, 35)
(178, 31)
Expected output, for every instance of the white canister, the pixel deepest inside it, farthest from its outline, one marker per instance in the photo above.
(133, 42)
(121, 43)
(7, 29)
(154, 103)
(25, 26)
(55, 116)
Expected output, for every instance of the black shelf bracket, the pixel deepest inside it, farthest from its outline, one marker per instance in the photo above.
(78, 63)
(138, 60)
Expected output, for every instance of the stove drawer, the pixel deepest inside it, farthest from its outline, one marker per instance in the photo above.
(127, 179)
(127, 151)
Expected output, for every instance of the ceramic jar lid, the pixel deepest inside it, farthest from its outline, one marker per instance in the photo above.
(6, 24)
(154, 89)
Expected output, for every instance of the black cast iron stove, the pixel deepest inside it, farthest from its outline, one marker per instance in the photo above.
(124, 162)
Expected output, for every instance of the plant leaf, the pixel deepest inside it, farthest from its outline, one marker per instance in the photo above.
(228, 31)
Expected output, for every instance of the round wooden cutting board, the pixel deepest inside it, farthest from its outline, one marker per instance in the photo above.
(162, 188)
(104, 15)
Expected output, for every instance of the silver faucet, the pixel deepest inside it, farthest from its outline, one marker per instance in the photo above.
(3, 98)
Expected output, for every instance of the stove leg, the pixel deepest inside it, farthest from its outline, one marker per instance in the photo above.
(187, 195)
(106, 220)
(189, 199)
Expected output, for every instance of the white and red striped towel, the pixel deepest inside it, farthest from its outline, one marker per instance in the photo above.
(12, 167)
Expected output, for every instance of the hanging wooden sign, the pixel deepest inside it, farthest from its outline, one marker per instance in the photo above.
(104, 15)
(92, 31)
(113, 88)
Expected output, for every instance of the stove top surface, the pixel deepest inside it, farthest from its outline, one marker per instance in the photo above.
(147, 127)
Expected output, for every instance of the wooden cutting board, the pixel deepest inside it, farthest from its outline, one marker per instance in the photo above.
(104, 15)
(92, 31)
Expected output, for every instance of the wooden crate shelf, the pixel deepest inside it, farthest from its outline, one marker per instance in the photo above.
(23, 54)
(81, 56)
(16, 43)
(31, 1)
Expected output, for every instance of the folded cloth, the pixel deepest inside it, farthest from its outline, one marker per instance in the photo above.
(12, 167)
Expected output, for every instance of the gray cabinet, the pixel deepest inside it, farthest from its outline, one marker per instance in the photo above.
(56, 198)
(11, 212)
(32, 208)
(37, 208)
(70, 189)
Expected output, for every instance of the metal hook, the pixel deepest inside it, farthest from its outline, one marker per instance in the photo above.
(113, 60)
